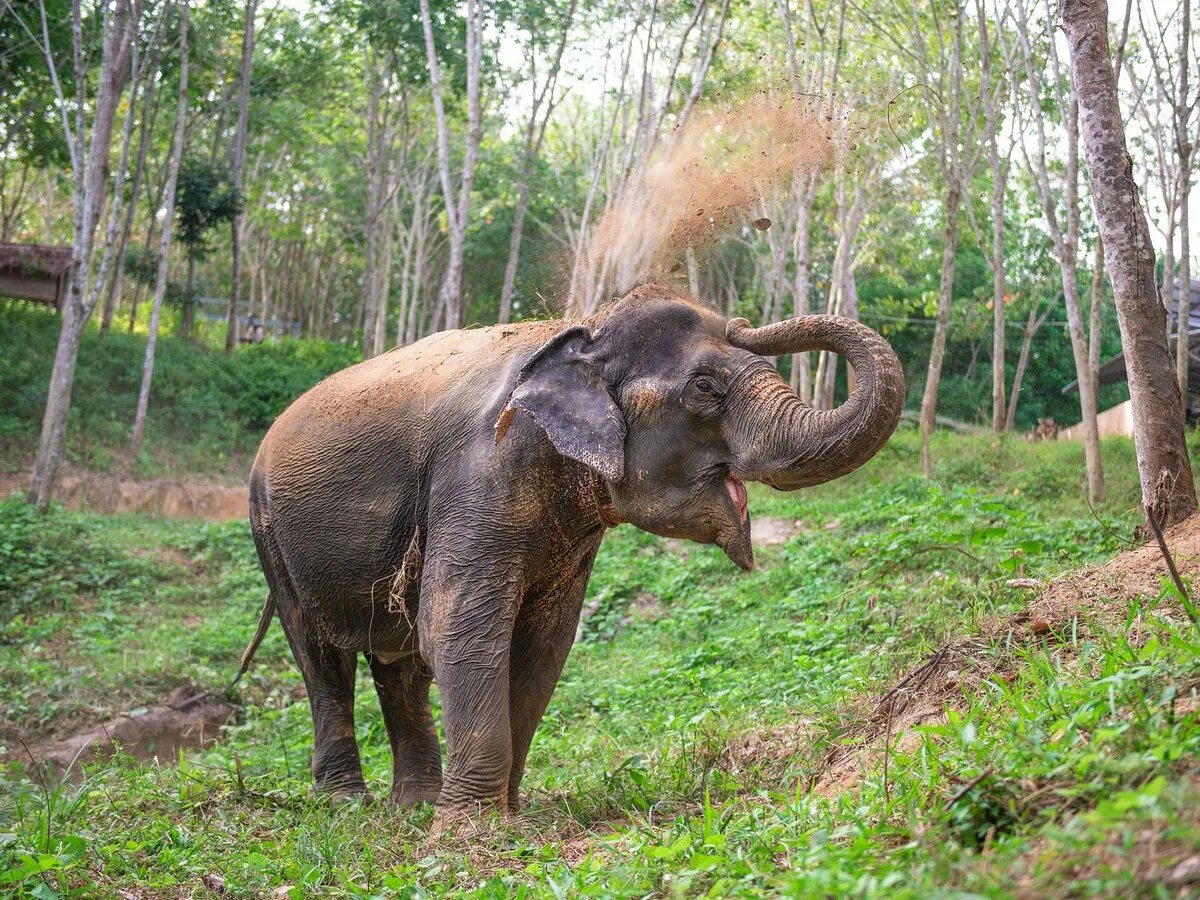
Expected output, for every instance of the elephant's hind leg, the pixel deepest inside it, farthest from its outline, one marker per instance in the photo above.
(403, 688)
(329, 678)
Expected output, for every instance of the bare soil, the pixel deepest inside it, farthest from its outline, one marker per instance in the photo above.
(766, 531)
(167, 497)
(187, 718)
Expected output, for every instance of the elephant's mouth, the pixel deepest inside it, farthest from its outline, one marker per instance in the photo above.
(734, 537)
(736, 488)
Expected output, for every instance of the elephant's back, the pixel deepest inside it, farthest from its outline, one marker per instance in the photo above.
(420, 395)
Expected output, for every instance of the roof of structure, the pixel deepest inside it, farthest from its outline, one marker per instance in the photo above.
(1113, 370)
(35, 258)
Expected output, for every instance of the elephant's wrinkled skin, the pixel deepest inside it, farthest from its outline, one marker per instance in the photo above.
(438, 509)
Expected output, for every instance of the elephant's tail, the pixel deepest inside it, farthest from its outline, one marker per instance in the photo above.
(264, 622)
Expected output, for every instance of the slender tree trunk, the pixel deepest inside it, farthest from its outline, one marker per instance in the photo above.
(188, 319)
(235, 174)
(160, 285)
(1163, 464)
(378, 150)
(90, 175)
(1186, 151)
(457, 210)
(1032, 325)
(937, 352)
(1095, 311)
(535, 131)
(801, 377)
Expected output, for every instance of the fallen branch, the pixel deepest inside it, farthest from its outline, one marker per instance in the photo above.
(968, 787)
(1184, 597)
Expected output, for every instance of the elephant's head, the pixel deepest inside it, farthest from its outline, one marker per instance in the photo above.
(676, 408)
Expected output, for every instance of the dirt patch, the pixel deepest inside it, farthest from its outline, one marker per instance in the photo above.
(766, 531)
(187, 718)
(166, 497)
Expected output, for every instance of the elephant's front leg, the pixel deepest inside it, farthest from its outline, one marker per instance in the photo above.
(544, 632)
(466, 633)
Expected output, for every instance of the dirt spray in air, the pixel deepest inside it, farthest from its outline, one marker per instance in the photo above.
(704, 178)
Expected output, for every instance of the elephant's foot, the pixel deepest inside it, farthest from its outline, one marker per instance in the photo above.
(340, 791)
(410, 795)
(464, 821)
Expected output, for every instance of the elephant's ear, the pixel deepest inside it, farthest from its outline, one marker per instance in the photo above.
(562, 389)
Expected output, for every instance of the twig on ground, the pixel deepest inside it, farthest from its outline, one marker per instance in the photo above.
(1185, 598)
(968, 787)
(1128, 542)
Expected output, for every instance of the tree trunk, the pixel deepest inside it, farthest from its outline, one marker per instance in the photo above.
(160, 284)
(1163, 465)
(1032, 326)
(90, 176)
(235, 174)
(1186, 152)
(937, 350)
(187, 320)
(801, 376)
(450, 294)
(1094, 315)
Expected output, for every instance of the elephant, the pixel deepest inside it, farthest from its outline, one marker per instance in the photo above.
(438, 509)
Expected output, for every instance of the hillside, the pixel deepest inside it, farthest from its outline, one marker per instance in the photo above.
(714, 732)
(207, 413)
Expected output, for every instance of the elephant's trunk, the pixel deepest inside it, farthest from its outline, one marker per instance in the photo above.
(794, 446)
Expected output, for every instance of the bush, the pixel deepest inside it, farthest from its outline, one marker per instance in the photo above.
(208, 411)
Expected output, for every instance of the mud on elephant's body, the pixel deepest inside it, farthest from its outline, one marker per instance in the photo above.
(439, 508)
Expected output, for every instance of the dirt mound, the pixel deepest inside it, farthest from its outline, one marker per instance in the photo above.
(187, 717)
(1096, 596)
(166, 497)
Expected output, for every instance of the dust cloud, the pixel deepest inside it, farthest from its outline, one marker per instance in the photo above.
(706, 177)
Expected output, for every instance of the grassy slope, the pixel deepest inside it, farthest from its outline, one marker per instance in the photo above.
(679, 750)
(207, 413)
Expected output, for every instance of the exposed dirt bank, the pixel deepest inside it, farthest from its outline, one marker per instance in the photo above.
(1094, 597)
(187, 717)
(167, 497)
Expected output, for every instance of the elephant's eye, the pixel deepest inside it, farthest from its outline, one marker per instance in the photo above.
(703, 395)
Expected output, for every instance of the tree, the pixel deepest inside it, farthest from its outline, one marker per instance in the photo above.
(1063, 223)
(1168, 490)
(164, 253)
(206, 198)
(235, 170)
(542, 103)
(458, 206)
(88, 149)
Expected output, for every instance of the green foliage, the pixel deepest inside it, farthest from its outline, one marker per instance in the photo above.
(679, 753)
(205, 199)
(207, 410)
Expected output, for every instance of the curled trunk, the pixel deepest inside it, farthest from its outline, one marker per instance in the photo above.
(795, 446)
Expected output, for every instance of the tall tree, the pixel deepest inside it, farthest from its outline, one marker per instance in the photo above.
(88, 149)
(1063, 221)
(164, 250)
(542, 103)
(1168, 489)
(457, 206)
(236, 166)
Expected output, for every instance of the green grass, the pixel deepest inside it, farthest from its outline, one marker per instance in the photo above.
(680, 752)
